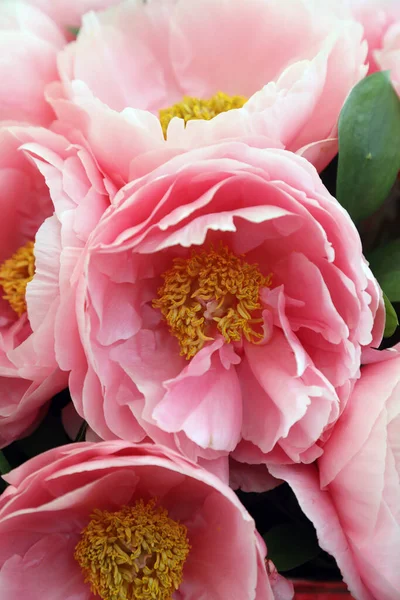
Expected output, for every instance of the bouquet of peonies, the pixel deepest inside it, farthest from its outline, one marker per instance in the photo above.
(199, 289)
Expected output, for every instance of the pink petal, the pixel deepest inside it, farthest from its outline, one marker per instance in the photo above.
(47, 569)
(251, 478)
(197, 401)
(320, 509)
(115, 138)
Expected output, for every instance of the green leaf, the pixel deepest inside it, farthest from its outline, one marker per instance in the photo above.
(5, 466)
(391, 318)
(369, 148)
(291, 545)
(385, 265)
(73, 30)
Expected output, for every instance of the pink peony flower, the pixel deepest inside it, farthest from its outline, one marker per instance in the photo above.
(30, 244)
(183, 530)
(381, 22)
(285, 68)
(379, 19)
(354, 499)
(161, 342)
(388, 57)
(29, 42)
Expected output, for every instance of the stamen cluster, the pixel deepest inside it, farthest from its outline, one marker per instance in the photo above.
(195, 108)
(208, 292)
(135, 553)
(15, 274)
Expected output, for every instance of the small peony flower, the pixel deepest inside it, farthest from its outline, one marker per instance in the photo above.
(353, 497)
(388, 56)
(222, 303)
(381, 22)
(210, 71)
(34, 164)
(29, 42)
(117, 521)
(376, 17)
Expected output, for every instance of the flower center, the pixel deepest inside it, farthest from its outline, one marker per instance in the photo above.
(194, 108)
(208, 292)
(15, 274)
(136, 553)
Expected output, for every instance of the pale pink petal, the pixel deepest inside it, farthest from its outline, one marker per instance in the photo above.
(344, 56)
(68, 13)
(304, 405)
(320, 509)
(22, 16)
(221, 526)
(345, 446)
(200, 398)
(388, 58)
(251, 478)
(319, 153)
(105, 47)
(24, 403)
(47, 569)
(115, 138)
(29, 42)
(42, 291)
(217, 30)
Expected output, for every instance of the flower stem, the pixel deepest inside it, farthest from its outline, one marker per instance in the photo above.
(81, 433)
(5, 466)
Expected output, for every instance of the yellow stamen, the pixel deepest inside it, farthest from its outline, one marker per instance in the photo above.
(135, 553)
(194, 108)
(15, 274)
(209, 291)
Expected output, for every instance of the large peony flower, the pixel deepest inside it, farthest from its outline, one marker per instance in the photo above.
(29, 374)
(222, 304)
(354, 499)
(29, 42)
(285, 68)
(112, 520)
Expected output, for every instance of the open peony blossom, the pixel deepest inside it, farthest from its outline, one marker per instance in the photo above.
(29, 42)
(161, 526)
(221, 304)
(28, 372)
(215, 70)
(36, 164)
(354, 499)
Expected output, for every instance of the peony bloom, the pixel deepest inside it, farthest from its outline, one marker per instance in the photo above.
(388, 57)
(280, 70)
(380, 20)
(222, 304)
(34, 165)
(29, 42)
(354, 500)
(162, 526)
